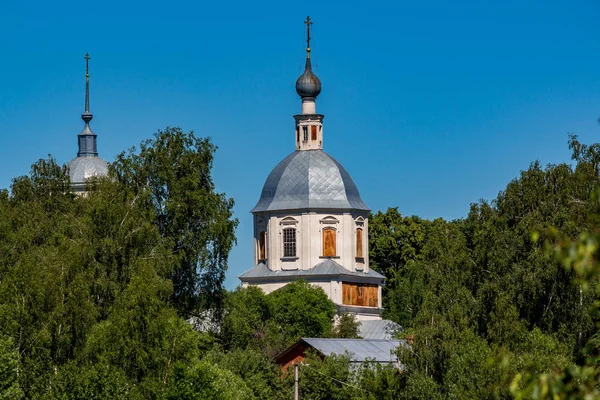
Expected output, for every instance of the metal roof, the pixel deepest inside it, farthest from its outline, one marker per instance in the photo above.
(82, 168)
(382, 329)
(328, 268)
(309, 179)
(308, 85)
(359, 350)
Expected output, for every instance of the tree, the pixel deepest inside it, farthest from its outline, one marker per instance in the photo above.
(480, 296)
(98, 282)
(195, 222)
(245, 321)
(301, 310)
(346, 326)
(9, 370)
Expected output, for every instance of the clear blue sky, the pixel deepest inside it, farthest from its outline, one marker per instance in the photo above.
(430, 105)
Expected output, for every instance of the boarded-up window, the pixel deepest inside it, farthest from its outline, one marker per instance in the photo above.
(289, 242)
(359, 243)
(261, 245)
(329, 242)
(313, 132)
(360, 294)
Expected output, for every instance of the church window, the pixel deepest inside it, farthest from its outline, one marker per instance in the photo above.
(262, 239)
(359, 243)
(297, 135)
(313, 132)
(289, 242)
(329, 244)
(305, 132)
(360, 294)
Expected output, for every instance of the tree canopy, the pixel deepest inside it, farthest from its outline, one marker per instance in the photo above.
(96, 290)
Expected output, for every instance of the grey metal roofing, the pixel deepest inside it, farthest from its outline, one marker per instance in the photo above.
(381, 329)
(360, 350)
(309, 179)
(308, 85)
(82, 168)
(328, 268)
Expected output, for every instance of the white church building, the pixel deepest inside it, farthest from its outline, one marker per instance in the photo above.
(310, 222)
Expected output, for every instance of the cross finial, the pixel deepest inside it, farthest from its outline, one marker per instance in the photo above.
(308, 23)
(87, 58)
(87, 88)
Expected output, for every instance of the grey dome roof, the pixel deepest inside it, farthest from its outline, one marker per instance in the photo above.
(82, 168)
(309, 179)
(308, 84)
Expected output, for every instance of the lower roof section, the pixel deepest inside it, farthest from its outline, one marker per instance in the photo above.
(327, 269)
(358, 350)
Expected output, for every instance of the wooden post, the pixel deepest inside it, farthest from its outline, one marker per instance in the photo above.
(296, 381)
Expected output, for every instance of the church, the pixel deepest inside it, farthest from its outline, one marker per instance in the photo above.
(310, 222)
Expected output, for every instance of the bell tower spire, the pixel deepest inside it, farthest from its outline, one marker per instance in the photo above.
(87, 138)
(309, 124)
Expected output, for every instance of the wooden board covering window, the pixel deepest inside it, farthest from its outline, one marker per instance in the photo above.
(359, 243)
(313, 132)
(360, 294)
(261, 245)
(328, 242)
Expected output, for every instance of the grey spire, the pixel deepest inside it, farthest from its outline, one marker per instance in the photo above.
(87, 138)
(308, 85)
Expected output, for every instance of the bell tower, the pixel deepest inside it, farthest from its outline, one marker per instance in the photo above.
(309, 124)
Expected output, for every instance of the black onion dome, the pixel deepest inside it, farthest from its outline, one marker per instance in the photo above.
(308, 85)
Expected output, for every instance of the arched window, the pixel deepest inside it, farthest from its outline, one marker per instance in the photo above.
(329, 244)
(262, 239)
(359, 243)
(289, 242)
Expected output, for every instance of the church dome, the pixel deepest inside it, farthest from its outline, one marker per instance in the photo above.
(82, 168)
(309, 179)
(308, 84)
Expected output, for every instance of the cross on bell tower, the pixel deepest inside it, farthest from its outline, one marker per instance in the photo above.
(309, 124)
(308, 23)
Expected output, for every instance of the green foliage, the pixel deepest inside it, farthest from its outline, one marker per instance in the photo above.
(259, 372)
(95, 289)
(206, 381)
(195, 222)
(92, 288)
(143, 335)
(301, 310)
(330, 378)
(272, 322)
(346, 326)
(245, 322)
(571, 381)
(482, 297)
(9, 370)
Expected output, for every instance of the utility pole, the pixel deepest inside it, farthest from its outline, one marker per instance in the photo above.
(296, 381)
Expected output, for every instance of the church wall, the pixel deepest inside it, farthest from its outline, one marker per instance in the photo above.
(309, 239)
(269, 287)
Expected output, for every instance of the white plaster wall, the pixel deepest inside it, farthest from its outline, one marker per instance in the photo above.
(309, 247)
(309, 243)
(309, 144)
(273, 286)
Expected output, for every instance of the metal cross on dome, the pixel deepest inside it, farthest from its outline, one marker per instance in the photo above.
(308, 23)
(87, 58)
